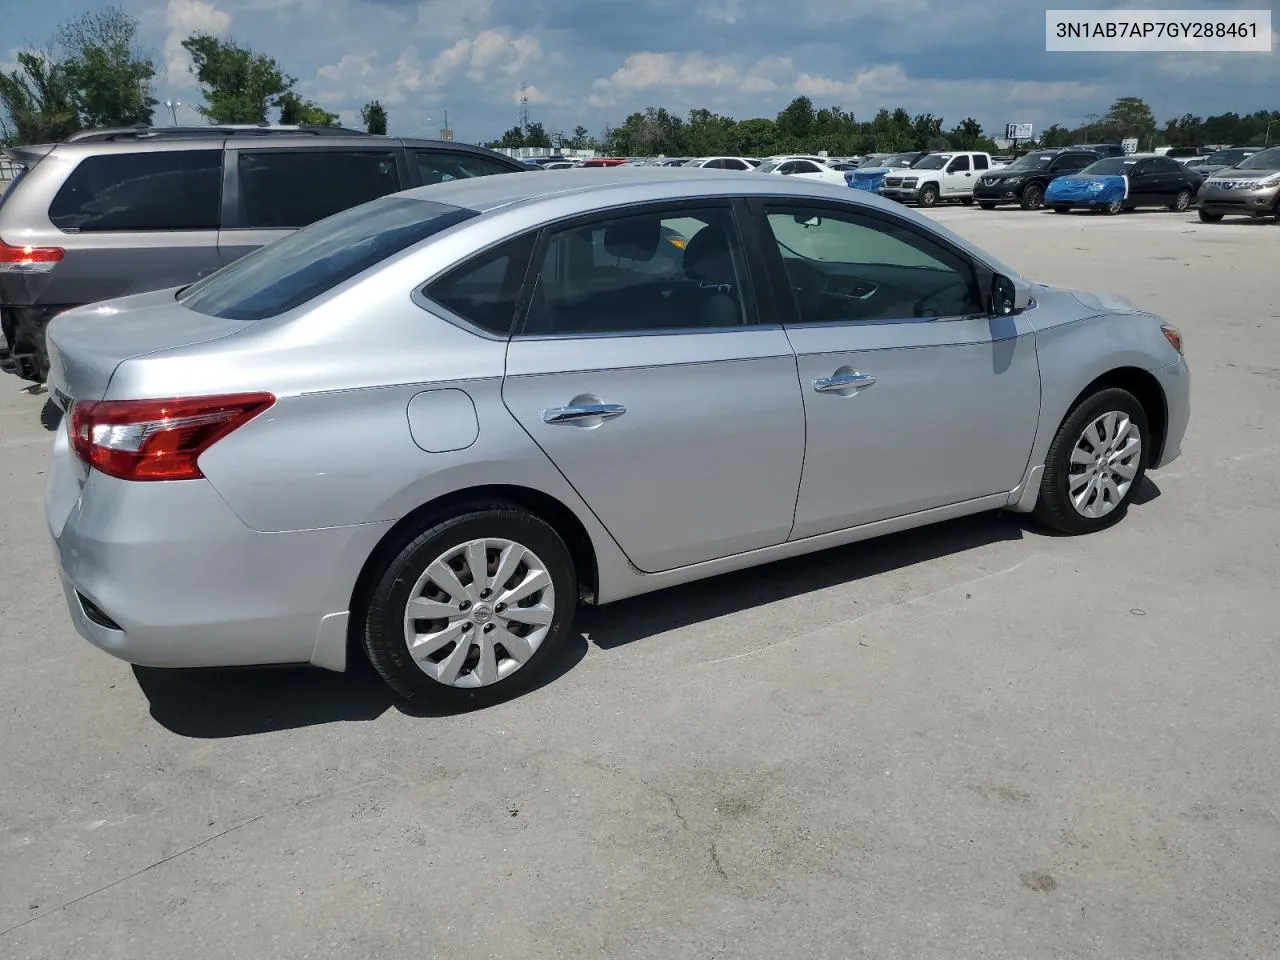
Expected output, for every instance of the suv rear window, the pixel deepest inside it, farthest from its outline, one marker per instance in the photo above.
(165, 190)
(282, 190)
(283, 275)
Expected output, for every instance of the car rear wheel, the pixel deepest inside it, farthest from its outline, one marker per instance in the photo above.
(472, 610)
(1032, 197)
(1097, 459)
(1207, 217)
(1181, 202)
(986, 205)
(928, 195)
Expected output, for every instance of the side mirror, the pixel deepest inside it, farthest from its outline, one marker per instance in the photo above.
(1008, 295)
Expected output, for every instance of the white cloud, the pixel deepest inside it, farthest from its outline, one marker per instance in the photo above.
(722, 11)
(888, 85)
(768, 74)
(183, 18)
(641, 71)
(533, 94)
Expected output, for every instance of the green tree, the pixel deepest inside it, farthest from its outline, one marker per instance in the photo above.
(580, 138)
(537, 136)
(1129, 117)
(513, 139)
(796, 121)
(1055, 137)
(757, 137)
(709, 133)
(966, 134)
(237, 83)
(107, 68)
(39, 100)
(294, 110)
(374, 117)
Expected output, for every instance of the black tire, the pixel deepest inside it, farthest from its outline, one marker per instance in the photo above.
(1207, 217)
(1061, 209)
(986, 204)
(1111, 209)
(1032, 197)
(966, 201)
(928, 196)
(382, 630)
(1054, 508)
(1182, 202)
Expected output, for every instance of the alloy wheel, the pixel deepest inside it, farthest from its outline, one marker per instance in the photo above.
(1104, 461)
(479, 612)
(1182, 201)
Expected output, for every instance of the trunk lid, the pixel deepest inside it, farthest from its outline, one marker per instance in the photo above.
(87, 344)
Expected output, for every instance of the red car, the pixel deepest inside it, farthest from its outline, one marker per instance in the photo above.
(604, 162)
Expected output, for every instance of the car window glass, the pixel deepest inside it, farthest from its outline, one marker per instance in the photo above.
(163, 190)
(484, 291)
(737, 165)
(1170, 166)
(1075, 161)
(980, 163)
(282, 190)
(959, 165)
(788, 167)
(285, 274)
(440, 166)
(844, 267)
(641, 273)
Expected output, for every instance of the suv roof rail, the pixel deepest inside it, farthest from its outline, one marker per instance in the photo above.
(143, 132)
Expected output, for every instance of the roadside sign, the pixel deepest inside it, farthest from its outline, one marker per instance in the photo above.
(1017, 131)
(1129, 144)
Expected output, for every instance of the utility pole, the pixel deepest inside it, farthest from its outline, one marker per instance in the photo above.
(524, 111)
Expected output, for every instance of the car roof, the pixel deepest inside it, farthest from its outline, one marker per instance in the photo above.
(278, 140)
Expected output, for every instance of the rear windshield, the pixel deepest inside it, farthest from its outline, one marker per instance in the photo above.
(1227, 157)
(298, 268)
(1110, 167)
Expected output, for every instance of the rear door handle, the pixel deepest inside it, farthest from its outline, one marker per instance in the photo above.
(583, 412)
(843, 381)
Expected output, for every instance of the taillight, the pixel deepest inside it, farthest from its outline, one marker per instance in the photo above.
(29, 259)
(157, 439)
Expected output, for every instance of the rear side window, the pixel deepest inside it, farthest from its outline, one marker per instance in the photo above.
(980, 163)
(283, 275)
(283, 190)
(169, 190)
(485, 290)
(441, 166)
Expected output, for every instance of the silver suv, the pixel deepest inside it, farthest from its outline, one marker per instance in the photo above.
(115, 212)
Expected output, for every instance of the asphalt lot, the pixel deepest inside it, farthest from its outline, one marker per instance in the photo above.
(973, 741)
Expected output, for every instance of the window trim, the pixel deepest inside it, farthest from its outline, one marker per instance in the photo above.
(193, 148)
(788, 310)
(416, 174)
(232, 201)
(422, 299)
(750, 295)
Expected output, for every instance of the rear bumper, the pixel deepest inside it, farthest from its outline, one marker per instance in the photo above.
(165, 575)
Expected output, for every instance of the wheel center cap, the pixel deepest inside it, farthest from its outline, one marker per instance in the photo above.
(482, 613)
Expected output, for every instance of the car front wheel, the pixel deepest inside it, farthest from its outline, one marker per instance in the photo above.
(928, 195)
(1032, 197)
(1097, 459)
(472, 609)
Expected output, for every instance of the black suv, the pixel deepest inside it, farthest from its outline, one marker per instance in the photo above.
(114, 212)
(1024, 181)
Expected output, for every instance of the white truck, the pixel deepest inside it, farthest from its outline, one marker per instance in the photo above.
(947, 175)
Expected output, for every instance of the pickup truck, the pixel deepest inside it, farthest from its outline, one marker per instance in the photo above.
(948, 175)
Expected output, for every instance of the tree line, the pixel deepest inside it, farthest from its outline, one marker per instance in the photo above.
(94, 72)
(800, 127)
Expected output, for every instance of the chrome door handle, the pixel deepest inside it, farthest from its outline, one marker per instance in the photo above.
(843, 381)
(585, 411)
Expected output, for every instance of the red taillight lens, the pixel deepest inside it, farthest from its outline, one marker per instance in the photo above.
(29, 259)
(158, 439)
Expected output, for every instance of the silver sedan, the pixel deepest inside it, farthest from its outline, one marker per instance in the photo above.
(428, 428)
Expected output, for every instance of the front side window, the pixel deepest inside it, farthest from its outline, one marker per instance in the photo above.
(807, 166)
(847, 267)
(162, 190)
(442, 166)
(1073, 161)
(484, 291)
(660, 271)
(284, 190)
(283, 275)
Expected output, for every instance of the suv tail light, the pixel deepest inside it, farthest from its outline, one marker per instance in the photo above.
(29, 259)
(157, 439)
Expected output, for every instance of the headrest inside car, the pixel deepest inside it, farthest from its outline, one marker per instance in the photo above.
(707, 257)
(635, 238)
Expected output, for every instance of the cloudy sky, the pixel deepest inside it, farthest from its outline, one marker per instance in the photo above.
(594, 61)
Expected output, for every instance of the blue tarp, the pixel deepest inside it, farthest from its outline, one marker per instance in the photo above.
(869, 179)
(1091, 191)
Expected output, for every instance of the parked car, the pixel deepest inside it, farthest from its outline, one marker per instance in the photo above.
(1103, 150)
(806, 168)
(430, 426)
(1250, 188)
(1221, 159)
(938, 176)
(1024, 181)
(722, 163)
(115, 212)
(605, 162)
(1125, 183)
(870, 173)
